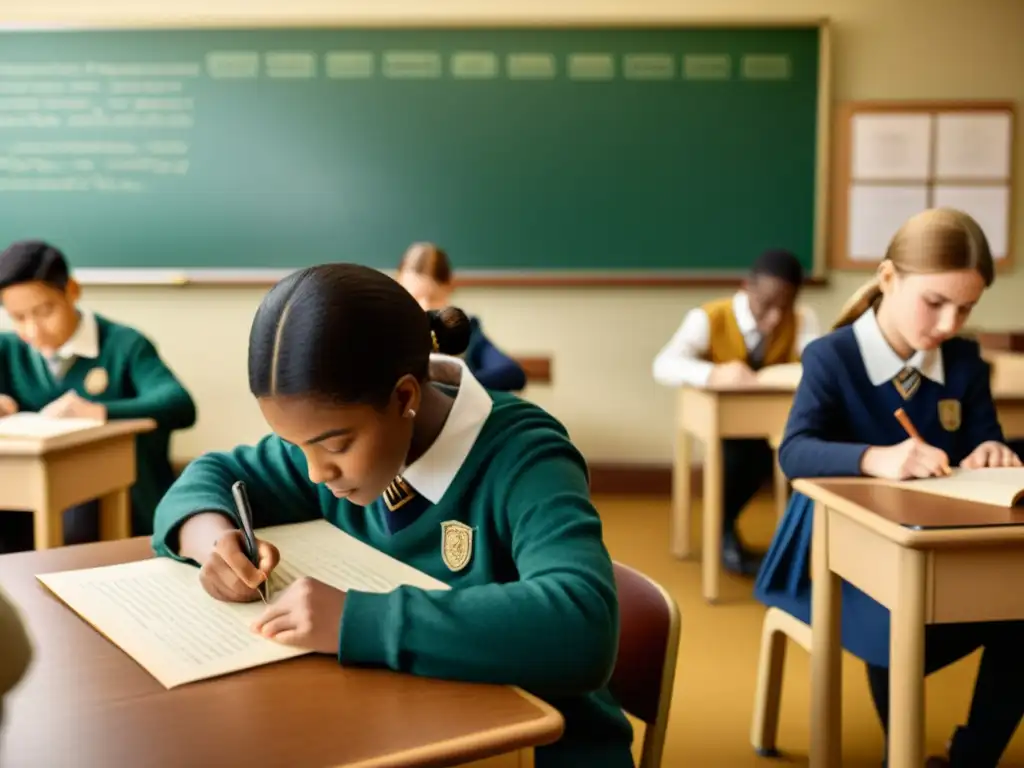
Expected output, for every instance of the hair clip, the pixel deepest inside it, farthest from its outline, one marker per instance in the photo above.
(433, 340)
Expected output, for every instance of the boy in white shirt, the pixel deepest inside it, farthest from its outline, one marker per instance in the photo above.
(723, 344)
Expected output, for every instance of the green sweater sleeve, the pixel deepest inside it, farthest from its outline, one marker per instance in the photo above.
(274, 473)
(160, 395)
(554, 631)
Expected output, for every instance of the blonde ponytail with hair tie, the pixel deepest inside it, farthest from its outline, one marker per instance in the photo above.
(864, 299)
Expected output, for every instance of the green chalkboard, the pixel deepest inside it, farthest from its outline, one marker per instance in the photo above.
(585, 150)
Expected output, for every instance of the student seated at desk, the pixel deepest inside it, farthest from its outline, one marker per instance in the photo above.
(895, 347)
(67, 362)
(724, 343)
(427, 274)
(479, 489)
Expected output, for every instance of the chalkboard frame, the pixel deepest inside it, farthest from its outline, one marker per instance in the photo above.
(104, 276)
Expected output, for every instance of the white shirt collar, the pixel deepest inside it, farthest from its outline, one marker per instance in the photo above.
(433, 472)
(744, 317)
(882, 363)
(85, 341)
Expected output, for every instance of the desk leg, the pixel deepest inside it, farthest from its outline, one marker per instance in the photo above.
(826, 652)
(681, 500)
(48, 526)
(115, 516)
(906, 664)
(711, 557)
(781, 489)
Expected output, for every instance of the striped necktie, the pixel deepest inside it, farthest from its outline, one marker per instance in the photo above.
(755, 357)
(907, 382)
(398, 494)
(58, 365)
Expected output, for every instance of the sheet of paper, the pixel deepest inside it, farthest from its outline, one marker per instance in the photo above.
(158, 613)
(323, 552)
(990, 207)
(973, 145)
(876, 212)
(35, 425)
(784, 375)
(991, 485)
(891, 147)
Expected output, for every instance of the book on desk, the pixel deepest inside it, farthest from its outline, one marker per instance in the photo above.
(999, 486)
(158, 613)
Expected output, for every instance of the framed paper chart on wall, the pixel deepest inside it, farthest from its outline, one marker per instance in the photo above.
(896, 159)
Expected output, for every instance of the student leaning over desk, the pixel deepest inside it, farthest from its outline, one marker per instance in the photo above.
(478, 489)
(895, 346)
(64, 361)
(723, 343)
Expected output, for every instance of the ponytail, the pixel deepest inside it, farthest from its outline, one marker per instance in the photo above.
(864, 299)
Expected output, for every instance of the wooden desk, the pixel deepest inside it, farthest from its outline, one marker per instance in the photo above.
(712, 415)
(537, 369)
(1000, 341)
(1010, 410)
(930, 560)
(86, 704)
(47, 476)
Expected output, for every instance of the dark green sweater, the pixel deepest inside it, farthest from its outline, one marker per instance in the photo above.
(140, 386)
(535, 607)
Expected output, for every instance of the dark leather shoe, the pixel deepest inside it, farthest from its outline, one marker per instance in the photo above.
(931, 762)
(738, 559)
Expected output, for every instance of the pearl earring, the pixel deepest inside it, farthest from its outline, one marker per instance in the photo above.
(410, 414)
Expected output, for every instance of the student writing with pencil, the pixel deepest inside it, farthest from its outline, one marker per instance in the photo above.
(894, 349)
(479, 489)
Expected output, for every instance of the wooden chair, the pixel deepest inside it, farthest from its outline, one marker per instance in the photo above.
(645, 668)
(778, 627)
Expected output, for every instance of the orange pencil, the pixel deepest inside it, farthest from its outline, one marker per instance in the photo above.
(911, 430)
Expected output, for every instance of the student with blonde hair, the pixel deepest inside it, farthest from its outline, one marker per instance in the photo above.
(895, 345)
(426, 272)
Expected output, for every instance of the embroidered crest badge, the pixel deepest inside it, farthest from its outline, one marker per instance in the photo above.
(949, 415)
(96, 381)
(456, 544)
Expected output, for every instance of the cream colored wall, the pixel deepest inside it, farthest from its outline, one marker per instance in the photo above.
(602, 341)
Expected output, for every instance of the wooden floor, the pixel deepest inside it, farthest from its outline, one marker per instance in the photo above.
(714, 689)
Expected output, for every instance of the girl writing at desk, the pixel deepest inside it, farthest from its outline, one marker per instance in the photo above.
(895, 346)
(480, 490)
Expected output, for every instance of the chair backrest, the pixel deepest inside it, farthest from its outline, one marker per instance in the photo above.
(648, 647)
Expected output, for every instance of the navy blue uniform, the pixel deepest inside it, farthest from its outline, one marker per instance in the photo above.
(843, 406)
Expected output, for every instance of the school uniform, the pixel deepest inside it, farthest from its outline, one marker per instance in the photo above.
(852, 383)
(489, 365)
(117, 366)
(498, 508)
(725, 331)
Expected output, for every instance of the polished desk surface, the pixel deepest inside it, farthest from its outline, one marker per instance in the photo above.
(913, 509)
(35, 446)
(85, 703)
